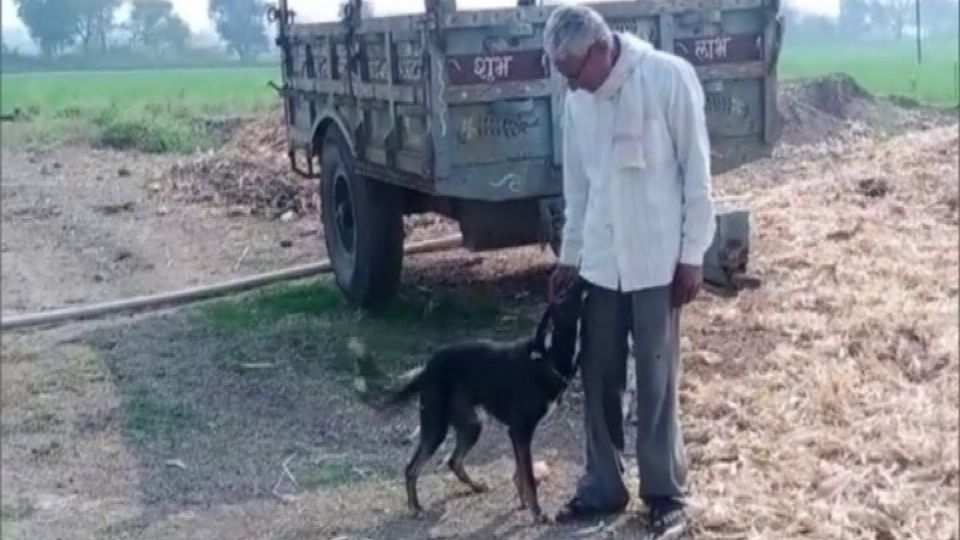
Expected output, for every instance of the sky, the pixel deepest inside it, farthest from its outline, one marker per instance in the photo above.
(195, 11)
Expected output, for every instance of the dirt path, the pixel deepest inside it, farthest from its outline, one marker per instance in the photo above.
(822, 406)
(81, 225)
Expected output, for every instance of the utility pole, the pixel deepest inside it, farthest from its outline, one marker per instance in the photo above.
(919, 34)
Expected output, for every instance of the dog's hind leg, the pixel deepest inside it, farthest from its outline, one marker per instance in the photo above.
(516, 475)
(433, 429)
(468, 428)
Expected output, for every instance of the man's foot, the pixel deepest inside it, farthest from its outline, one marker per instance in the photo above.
(576, 510)
(669, 520)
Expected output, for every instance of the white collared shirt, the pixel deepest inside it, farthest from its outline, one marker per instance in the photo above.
(636, 172)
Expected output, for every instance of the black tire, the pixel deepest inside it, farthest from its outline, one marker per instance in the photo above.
(362, 220)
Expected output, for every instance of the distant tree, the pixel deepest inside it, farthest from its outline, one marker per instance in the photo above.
(941, 17)
(897, 15)
(154, 24)
(241, 24)
(53, 24)
(806, 27)
(95, 21)
(938, 17)
(879, 17)
(854, 18)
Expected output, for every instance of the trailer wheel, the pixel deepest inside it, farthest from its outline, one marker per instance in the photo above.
(362, 220)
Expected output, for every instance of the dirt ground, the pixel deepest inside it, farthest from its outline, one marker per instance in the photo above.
(823, 405)
(83, 225)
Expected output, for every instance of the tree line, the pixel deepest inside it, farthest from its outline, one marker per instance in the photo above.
(92, 27)
(875, 20)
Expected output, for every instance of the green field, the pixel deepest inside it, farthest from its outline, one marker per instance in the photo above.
(883, 69)
(166, 110)
(220, 91)
(149, 110)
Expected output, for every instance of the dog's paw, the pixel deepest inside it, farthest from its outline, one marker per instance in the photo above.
(541, 519)
(479, 487)
(416, 512)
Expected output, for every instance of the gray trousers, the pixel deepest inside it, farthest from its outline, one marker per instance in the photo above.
(610, 317)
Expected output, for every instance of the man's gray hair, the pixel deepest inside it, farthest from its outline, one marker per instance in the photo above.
(572, 29)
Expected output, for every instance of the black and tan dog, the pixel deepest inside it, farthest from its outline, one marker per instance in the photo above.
(515, 383)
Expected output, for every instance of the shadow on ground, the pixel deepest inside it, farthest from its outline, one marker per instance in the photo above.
(261, 396)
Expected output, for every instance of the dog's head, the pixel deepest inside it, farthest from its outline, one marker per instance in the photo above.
(555, 340)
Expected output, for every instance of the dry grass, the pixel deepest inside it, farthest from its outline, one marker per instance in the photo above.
(824, 405)
(251, 173)
(843, 423)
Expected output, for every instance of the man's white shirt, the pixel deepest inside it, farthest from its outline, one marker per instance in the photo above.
(636, 172)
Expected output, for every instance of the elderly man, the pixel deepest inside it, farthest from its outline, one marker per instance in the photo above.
(639, 219)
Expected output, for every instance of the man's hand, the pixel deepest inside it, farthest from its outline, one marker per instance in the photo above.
(686, 284)
(561, 278)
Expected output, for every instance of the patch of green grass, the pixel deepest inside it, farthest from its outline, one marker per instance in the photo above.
(220, 91)
(415, 325)
(38, 417)
(324, 472)
(439, 308)
(75, 368)
(410, 309)
(78, 368)
(147, 110)
(16, 511)
(308, 328)
(15, 351)
(882, 68)
(154, 131)
(148, 416)
(273, 303)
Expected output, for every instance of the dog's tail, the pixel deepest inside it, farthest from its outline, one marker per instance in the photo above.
(405, 393)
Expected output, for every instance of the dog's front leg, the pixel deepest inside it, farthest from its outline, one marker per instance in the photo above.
(516, 483)
(516, 475)
(522, 440)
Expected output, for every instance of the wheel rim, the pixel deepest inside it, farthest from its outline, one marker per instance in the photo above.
(344, 216)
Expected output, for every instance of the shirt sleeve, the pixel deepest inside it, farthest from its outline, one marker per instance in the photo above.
(575, 192)
(687, 122)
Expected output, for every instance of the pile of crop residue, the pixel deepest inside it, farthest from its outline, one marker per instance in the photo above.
(836, 107)
(825, 404)
(250, 173)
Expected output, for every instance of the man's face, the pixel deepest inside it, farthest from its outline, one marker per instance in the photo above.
(587, 71)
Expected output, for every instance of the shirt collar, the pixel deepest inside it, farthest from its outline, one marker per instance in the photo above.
(632, 50)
